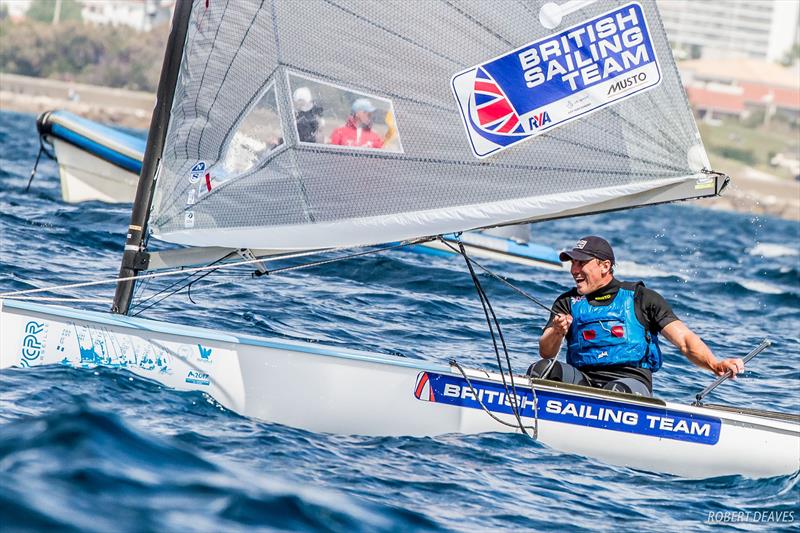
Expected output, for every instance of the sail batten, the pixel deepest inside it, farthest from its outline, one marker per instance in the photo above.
(398, 97)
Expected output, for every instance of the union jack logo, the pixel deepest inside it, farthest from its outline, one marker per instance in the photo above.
(423, 390)
(494, 111)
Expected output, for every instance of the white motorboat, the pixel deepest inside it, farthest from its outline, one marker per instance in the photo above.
(95, 162)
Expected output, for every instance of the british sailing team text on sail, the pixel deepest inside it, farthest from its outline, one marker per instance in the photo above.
(565, 408)
(620, 35)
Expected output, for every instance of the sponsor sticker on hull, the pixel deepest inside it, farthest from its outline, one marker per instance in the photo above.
(569, 409)
(557, 79)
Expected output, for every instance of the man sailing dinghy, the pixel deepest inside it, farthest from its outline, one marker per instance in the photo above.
(503, 113)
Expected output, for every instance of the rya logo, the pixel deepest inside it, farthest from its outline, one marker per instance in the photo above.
(580, 244)
(537, 121)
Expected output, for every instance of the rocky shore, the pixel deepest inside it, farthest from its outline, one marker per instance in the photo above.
(750, 191)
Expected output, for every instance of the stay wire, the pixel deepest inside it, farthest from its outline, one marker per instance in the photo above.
(257, 273)
(182, 280)
(487, 309)
(342, 258)
(42, 150)
(501, 279)
(138, 277)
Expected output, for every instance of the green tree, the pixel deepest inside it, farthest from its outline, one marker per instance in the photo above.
(44, 10)
(99, 55)
(792, 55)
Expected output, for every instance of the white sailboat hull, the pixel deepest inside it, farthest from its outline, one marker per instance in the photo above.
(86, 177)
(335, 390)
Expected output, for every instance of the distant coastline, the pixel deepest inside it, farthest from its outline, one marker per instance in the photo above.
(131, 109)
(750, 191)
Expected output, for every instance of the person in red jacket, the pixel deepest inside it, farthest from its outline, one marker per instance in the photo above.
(357, 131)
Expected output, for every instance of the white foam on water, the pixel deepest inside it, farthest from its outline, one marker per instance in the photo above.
(761, 286)
(635, 270)
(766, 249)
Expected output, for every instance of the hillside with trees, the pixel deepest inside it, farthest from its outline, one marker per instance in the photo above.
(71, 51)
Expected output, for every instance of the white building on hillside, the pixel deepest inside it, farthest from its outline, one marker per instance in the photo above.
(723, 29)
(142, 15)
(16, 9)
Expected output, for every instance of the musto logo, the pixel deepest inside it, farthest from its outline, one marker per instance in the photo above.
(627, 83)
(32, 342)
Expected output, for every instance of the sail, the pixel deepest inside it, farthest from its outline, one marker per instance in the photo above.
(332, 123)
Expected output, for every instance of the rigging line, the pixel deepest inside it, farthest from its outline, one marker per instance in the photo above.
(168, 287)
(139, 312)
(64, 299)
(496, 276)
(284, 269)
(350, 256)
(156, 275)
(486, 304)
(454, 363)
(206, 267)
(36, 164)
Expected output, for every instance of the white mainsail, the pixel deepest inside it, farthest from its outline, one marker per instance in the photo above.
(236, 171)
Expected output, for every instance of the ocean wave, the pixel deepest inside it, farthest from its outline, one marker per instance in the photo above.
(631, 269)
(773, 250)
(761, 286)
(89, 470)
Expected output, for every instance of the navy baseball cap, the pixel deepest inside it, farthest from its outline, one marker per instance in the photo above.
(591, 247)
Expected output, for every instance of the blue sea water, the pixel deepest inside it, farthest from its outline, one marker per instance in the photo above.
(100, 450)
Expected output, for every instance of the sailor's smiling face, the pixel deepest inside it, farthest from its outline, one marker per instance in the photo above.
(590, 275)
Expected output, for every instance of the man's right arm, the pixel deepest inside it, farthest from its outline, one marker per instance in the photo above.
(556, 328)
(553, 336)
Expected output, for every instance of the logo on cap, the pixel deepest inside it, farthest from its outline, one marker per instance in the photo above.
(580, 244)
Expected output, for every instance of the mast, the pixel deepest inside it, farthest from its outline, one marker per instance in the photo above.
(133, 260)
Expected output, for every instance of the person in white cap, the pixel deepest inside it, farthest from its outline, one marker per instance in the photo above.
(307, 115)
(357, 131)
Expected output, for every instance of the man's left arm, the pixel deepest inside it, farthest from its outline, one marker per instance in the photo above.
(696, 350)
(660, 317)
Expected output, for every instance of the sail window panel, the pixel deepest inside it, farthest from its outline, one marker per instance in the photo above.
(342, 118)
(256, 136)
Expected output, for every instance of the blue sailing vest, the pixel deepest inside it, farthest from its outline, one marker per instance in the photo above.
(603, 335)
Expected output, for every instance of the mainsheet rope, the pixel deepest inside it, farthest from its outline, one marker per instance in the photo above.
(487, 310)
